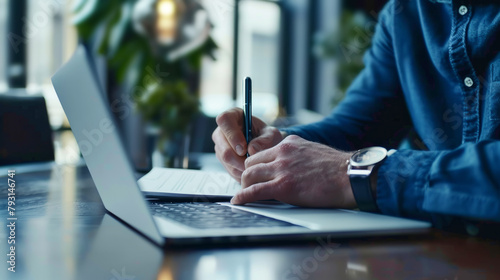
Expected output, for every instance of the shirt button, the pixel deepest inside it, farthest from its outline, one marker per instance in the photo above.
(468, 82)
(462, 10)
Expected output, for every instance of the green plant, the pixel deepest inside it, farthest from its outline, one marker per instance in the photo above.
(347, 46)
(162, 90)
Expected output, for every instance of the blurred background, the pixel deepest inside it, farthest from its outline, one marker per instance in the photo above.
(155, 57)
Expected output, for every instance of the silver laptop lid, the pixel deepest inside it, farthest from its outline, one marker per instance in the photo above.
(97, 136)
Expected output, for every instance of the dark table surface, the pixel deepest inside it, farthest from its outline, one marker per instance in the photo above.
(63, 232)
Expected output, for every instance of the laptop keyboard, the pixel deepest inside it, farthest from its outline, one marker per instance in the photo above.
(207, 215)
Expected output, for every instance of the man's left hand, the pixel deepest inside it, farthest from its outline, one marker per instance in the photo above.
(297, 172)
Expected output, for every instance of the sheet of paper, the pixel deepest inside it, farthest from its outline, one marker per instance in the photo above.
(188, 182)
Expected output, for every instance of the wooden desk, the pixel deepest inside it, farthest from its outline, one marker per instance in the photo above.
(62, 232)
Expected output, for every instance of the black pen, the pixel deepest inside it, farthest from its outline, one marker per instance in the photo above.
(247, 110)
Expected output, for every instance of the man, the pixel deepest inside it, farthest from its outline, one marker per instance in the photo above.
(434, 69)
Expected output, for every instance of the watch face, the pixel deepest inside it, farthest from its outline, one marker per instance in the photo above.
(368, 156)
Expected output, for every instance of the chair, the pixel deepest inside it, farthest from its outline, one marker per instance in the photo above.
(201, 134)
(25, 132)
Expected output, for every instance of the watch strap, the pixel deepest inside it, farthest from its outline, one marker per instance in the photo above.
(361, 188)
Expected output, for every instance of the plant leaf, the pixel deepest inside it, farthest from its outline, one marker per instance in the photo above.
(86, 11)
(77, 5)
(111, 19)
(118, 31)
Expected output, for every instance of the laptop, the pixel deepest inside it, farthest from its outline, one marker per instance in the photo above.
(169, 222)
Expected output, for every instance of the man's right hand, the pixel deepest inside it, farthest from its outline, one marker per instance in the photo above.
(230, 144)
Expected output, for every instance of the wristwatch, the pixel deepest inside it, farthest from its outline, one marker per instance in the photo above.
(359, 169)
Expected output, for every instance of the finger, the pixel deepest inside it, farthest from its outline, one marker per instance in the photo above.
(256, 174)
(234, 164)
(234, 172)
(268, 137)
(256, 192)
(231, 168)
(225, 152)
(260, 141)
(231, 126)
(266, 157)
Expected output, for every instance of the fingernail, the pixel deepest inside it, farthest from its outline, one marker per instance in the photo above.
(239, 150)
(256, 147)
(233, 200)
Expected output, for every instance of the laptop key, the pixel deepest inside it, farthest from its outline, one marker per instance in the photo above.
(206, 215)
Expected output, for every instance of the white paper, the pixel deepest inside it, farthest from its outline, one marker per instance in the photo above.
(188, 182)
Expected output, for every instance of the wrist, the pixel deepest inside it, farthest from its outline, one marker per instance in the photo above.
(349, 199)
(373, 181)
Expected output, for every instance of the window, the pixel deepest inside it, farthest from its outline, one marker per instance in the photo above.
(217, 75)
(259, 43)
(50, 39)
(258, 56)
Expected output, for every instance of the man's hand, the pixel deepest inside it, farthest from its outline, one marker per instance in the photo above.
(230, 144)
(298, 172)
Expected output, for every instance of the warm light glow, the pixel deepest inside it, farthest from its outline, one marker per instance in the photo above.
(166, 8)
(166, 21)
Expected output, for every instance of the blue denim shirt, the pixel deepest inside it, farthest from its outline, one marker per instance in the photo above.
(433, 70)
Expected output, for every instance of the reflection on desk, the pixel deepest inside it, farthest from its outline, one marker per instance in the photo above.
(63, 232)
